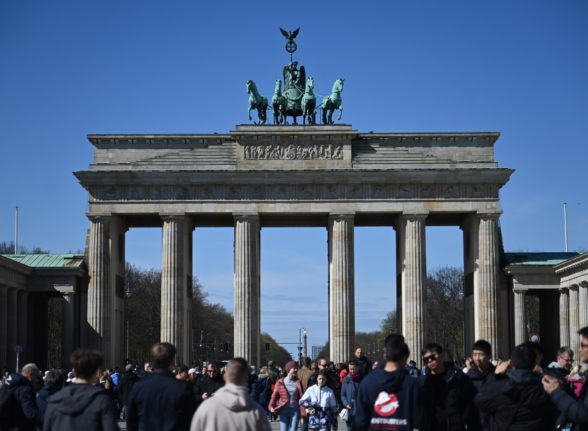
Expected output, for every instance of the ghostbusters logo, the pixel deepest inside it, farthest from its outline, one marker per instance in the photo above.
(386, 404)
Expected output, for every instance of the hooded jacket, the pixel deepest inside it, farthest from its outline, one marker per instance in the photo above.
(516, 401)
(23, 399)
(80, 407)
(388, 401)
(231, 408)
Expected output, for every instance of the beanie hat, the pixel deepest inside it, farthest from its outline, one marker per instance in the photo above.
(289, 365)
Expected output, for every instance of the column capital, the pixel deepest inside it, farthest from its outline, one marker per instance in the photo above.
(563, 290)
(99, 218)
(251, 217)
(584, 283)
(173, 216)
(488, 216)
(414, 216)
(350, 216)
(520, 290)
(573, 288)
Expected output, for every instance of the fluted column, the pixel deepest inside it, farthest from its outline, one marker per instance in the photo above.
(3, 324)
(574, 320)
(98, 312)
(12, 326)
(486, 282)
(247, 293)
(583, 304)
(23, 319)
(412, 249)
(68, 329)
(341, 287)
(520, 330)
(172, 281)
(564, 317)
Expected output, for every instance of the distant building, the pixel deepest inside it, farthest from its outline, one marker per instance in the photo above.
(316, 350)
(33, 287)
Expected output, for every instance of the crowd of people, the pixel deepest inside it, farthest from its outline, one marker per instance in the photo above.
(394, 394)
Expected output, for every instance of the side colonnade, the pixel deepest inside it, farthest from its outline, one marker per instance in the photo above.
(106, 290)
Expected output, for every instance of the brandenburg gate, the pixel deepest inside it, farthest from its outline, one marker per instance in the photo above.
(292, 175)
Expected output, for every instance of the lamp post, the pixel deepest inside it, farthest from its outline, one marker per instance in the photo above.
(304, 342)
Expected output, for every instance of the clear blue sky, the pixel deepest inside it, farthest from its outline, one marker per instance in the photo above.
(69, 68)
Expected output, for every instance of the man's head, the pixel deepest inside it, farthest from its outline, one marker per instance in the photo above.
(55, 378)
(306, 362)
(481, 354)
(163, 356)
(182, 373)
(31, 372)
(147, 367)
(211, 370)
(85, 364)
(583, 344)
(271, 364)
(523, 357)
(433, 357)
(396, 350)
(237, 372)
(565, 357)
(358, 352)
(313, 365)
(322, 363)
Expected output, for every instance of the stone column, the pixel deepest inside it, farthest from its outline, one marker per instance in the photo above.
(117, 298)
(470, 248)
(187, 355)
(583, 304)
(68, 329)
(22, 334)
(247, 292)
(341, 287)
(12, 327)
(520, 330)
(172, 281)
(486, 282)
(574, 320)
(564, 317)
(98, 311)
(3, 324)
(411, 237)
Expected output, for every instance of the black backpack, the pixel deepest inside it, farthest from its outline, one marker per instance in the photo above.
(7, 401)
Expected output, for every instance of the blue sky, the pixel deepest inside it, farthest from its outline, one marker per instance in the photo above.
(69, 68)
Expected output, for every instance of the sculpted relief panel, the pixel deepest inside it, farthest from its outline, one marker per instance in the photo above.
(276, 151)
(302, 192)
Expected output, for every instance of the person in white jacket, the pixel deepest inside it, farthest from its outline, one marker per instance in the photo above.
(231, 407)
(320, 405)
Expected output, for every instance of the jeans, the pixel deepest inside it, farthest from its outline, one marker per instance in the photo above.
(289, 417)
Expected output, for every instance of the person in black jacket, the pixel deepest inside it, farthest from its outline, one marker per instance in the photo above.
(482, 370)
(21, 405)
(208, 384)
(388, 398)
(364, 363)
(515, 399)
(81, 406)
(54, 381)
(159, 401)
(447, 391)
(574, 410)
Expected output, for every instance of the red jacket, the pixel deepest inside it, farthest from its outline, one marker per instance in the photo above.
(280, 396)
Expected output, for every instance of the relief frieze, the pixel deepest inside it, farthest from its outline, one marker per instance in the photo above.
(257, 192)
(277, 151)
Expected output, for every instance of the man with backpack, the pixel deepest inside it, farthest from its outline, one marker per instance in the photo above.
(18, 410)
(515, 399)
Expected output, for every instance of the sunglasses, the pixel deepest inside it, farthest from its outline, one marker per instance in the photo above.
(582, 345)
(430, 358)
